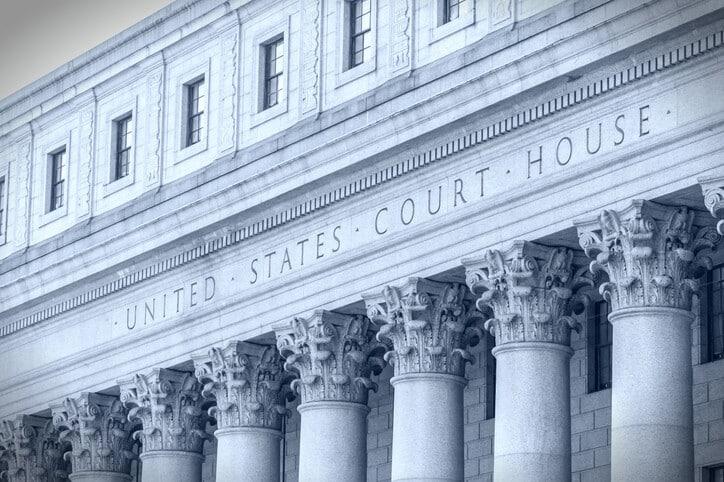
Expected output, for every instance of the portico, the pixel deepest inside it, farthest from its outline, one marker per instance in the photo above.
(406, 286)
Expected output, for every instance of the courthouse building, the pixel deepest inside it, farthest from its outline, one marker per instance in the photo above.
(370, 240)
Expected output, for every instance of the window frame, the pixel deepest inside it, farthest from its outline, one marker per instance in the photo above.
(4, 204)
(708, 472)
(345, 72)
(259, 40)
(125, 119)
(279, 43)
(708, 315)
(353, 35)
(192, 110)
(441, 27)
(53, 182)
(593, 324)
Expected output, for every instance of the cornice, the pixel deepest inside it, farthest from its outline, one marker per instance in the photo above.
(398, 169)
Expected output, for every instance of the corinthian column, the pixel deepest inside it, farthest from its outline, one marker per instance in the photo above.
(652, 255)
(528, 288)
(32, 451)
(334, 356)
(100, 434)
(168, 404)
(246, 381)
(427, 326)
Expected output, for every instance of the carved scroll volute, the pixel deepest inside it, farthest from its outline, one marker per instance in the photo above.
(334, 356)
(427, 326)
(652, 254)
(713, 190)
(32, 450)
(99, 432)
(529, 289)
(170, 408)
(247, 382)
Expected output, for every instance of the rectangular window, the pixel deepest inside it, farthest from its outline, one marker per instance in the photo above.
(124, 140)
(490, 369)
(2, 206)
(713, 474)
(57, 179)
(715, 318)
(195, 109)
(602, 333)
(451, 10)
(360, 31)
(273, 71)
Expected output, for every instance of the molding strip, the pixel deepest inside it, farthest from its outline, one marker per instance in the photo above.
(441, 151)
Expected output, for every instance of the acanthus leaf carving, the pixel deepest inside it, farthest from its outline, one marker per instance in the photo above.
(529, 289)
(248, 383)
(428, 326)
(169, 405)
(713, 190)
(334, 356)
(32, 450)
(99, 431)
(652, 254)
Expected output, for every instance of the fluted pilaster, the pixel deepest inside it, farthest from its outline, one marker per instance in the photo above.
(652, 254)
(334, 355)
(32, 450)
(168, 403)
(247, 382)
(428, 324)
(99, 431)
(528, 288)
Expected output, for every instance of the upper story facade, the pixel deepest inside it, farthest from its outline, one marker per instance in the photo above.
(203, 79)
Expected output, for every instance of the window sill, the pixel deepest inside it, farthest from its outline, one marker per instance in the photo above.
(117, 185)
(52, 216)
(191, 150)
(447, 29)
(265, 115)
(355, 73)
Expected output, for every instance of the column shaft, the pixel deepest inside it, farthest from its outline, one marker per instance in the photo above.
(251, 452)
(651, 413)
(532, 412)
(428, 418)
(171, 466)
(333, 442)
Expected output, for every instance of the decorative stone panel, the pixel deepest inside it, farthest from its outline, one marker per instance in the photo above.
(248, 383)
(652, 254)
(334, 355)
(529, 289)
(99, 431)
(169, 405)
(428, 324)
(32, 450)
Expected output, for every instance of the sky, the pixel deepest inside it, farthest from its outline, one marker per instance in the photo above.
(37, 36)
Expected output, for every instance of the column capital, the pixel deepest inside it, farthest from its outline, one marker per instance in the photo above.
(652, 254)
(712, 188)
(429, 325)
(248, 383)
(169, 405)
(32, 450)
(99, 431)
(334, 355)
(528, 287)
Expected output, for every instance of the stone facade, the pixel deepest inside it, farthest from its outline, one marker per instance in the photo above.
(392, 273)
